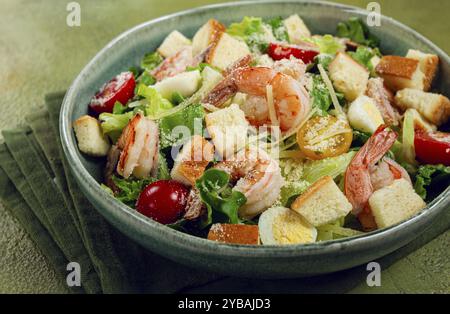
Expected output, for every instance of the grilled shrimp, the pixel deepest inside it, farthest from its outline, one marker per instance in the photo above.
(364, 176)
(139, 148)
(291, 100)
(178, 63)
(383, 99)
(257, 176)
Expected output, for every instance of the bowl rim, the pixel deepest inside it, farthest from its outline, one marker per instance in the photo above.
(126, 215)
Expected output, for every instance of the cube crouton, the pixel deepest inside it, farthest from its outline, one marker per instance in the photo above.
(348, 76)
(434, 107)
(296, 29)
(91, 140)
(395, 203)
(322, 203)
(234, 234)
(206, 35)
(173, 43)
(228, 129)
(428, 64)
(399, 73)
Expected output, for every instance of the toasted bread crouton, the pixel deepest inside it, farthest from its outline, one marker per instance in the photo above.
(228, 129)
(296, 29)
(192, 160)
(227, 51)
(395, 203)
(428, 64)
(434, 107)
(348, 76)
(399, 73)
(322, 203)
(234, 234)
(91, 140)
(173, 43)
(207, 35)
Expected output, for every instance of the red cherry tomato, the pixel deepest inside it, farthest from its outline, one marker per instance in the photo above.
(120, 88)
(164, 201)
(432, 148)
(279, 52)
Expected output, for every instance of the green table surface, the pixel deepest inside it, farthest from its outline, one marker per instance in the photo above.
(39, 53)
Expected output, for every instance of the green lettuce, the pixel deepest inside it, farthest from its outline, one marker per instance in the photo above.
(187, 117)
(252, 31)
(321, 98)
(278, 28)
(151, 60)
(363, 55)
(327, 44)
(129, 189)
(291, 190)
(429, 177)
(156, 103)
(358, 32)
(324, 59)
(333, 167)
(335, 230)
(221, 201)
(113, 124)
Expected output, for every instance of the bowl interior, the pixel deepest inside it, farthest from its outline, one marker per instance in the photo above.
(127, 50)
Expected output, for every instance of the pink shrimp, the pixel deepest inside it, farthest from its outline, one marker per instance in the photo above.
(364, 176)
(178, 63)
(139, 148)
(291, 100)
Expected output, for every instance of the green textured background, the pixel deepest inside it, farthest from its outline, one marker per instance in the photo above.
(39, 53)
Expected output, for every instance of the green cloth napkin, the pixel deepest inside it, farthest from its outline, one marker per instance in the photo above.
(38, 189)
(38, 181)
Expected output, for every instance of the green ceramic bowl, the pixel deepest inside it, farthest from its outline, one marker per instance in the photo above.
(249, 261)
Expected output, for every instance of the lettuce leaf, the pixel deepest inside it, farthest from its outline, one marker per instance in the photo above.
(430, 176)
(156, 103)
(355, 30)
(113, 124)
(129, 189)
(251, 30)
(333, 167)
(188, 117)
(221, 202)
(278, 28)
(327, 44)
(291, 190)
(321, 98)
(151, 60)
(363, 55)
(335, 231)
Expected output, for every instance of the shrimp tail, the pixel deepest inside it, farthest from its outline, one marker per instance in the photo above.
(357, 183)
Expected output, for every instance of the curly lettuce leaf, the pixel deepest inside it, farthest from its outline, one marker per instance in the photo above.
(151, 60)
(327, 44)
(251, 30)
(355, 30)
(364, 55)
(278, 28)
(429, 177)
(113, 124)
(321, 98)
(155, 102)
(189, 117)
(221, 202)
(129, 189)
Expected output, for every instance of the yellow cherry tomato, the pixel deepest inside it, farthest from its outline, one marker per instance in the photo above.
(324, 137)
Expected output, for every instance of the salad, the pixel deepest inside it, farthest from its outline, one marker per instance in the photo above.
(260, 132)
